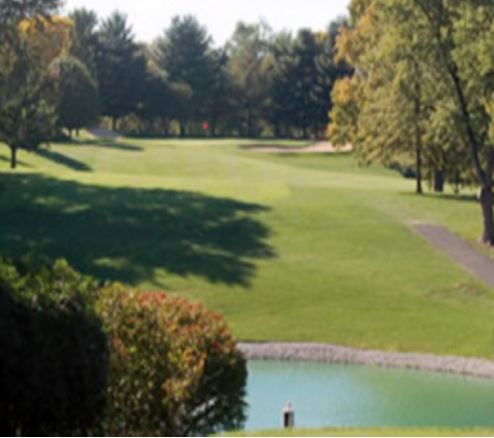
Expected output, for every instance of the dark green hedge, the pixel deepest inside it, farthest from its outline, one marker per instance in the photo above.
(54, 363)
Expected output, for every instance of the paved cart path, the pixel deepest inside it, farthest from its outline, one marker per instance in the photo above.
(458, 250)
(103, 134)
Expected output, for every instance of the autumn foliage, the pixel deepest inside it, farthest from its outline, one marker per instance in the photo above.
(174, 371)
(81, 360)
(50, 38)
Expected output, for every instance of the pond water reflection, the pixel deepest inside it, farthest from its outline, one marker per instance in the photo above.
(326, 395)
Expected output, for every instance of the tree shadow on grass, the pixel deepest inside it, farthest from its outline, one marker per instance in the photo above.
(19, 162)
(125, 234)
(63, 160)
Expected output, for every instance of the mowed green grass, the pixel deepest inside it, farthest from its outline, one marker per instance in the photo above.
(381, 432)
(291, 248)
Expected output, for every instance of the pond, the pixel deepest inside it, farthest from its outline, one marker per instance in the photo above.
(326, 395)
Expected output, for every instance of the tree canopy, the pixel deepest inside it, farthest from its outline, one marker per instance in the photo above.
(260, 83)
(27, 112)
(120, 66)
(422, 89)
(78, 99)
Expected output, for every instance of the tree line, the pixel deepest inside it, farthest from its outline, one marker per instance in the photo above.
(69, 72)
(422, 93)
(259, 81)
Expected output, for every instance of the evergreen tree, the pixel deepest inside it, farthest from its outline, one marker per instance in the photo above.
(85, 38)
(219, 104)
(304, 74)
(184, 53)
(162, 100)
(121, 68)
(278, 110)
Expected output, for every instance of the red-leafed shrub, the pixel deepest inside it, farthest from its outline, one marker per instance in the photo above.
(174, 367)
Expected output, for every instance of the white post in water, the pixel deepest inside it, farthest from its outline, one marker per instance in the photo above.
(288, 417)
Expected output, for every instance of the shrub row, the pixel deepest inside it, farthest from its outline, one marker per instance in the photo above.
(79, 359)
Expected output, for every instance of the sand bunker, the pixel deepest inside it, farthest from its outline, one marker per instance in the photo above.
(323, 147)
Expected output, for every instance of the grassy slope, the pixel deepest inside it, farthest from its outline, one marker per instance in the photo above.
(288, 248)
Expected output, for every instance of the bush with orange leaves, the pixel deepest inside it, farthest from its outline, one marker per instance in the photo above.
(174, 371)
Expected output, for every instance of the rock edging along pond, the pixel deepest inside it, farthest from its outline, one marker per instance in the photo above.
(315, 352)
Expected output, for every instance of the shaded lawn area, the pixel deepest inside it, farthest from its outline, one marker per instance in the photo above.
(124, 234)
(63, 160)
(297, 249)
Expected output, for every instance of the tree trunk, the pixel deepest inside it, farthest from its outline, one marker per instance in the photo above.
(277, 130)
(114, 124)
(487, 203)
(317, 131)
(439, 181)
(250, 124)
(212, 127)
(13, 157)
(420, 189)
(165, 128)
(418, 133)
(183, 131)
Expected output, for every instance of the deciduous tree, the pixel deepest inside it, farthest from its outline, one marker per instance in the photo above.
(77, 94)
(27, 115)
(461, 34)
(424, 72)
(250, 67)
